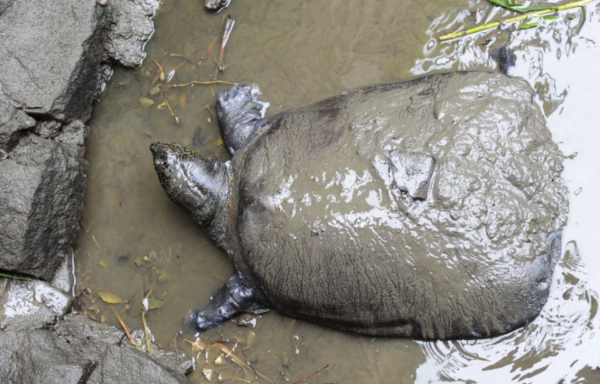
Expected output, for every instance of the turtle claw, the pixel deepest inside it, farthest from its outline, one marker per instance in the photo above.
(232, 299)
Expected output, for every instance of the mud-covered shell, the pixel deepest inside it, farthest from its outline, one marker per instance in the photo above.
(322, 228)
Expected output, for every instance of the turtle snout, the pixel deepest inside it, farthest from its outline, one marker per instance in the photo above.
(203, 321)
(164, 154)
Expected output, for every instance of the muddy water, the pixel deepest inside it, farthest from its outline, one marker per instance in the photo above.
(136, 243)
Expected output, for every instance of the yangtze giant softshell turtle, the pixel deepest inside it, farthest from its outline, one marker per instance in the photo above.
(429, 209)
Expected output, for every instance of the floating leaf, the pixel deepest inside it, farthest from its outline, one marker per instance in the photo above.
(250, 339)
(153, 255)
(155, 90)
(110, 298)
(528, 26)
(151, 303)
(146, 102)
(219, 142)
(104, 263)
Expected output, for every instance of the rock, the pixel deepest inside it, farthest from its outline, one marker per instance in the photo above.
(12, 123)
(168, 359)
(132, 29)
(216, 5)
(36, 357)
(30, 304)
(77, 350)
(64, 277)
(41, 191)
(117, 363)
(56, 57)
(53, 53)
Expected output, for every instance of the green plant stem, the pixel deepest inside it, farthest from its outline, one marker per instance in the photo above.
(495, 24)
(14, 277)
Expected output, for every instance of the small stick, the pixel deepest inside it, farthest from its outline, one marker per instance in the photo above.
(159, 72)
(124, 326)
(229, 23)
(210, 110)
(231, 355)
(162, 71)
(175, 118)
(176, 350)
(312, 374)
(195, 82)
(496, 24)
(146, 331)
(96, 241)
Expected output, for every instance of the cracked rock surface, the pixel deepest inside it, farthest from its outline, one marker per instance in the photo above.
(56, 56)
(79, 350)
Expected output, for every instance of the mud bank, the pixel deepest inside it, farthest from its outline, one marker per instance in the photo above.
(57, 56)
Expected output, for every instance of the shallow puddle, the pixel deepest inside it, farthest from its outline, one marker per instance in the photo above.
(135, 243)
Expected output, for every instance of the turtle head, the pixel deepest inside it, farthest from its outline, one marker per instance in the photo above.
(199, 185)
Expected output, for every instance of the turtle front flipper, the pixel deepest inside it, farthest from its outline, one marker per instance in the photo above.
(234, 298)
(240, 113)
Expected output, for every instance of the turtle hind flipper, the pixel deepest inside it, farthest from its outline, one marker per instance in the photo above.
(239, 113)
(233, 298)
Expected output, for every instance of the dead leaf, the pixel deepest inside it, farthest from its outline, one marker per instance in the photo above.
(110, 298)
(146, 102)
(151, 303)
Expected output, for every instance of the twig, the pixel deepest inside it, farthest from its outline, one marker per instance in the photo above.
(230, 355)
(176, 350)
(162, 71)
(195, 82)
(496, 24)
(311, 375)
(96, 241)
(210, 110)
(146, 331)
(175, 118)
(229, 23)
(124, 326)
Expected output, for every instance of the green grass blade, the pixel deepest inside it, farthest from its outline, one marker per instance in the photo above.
(528, 26)
(14, 277)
